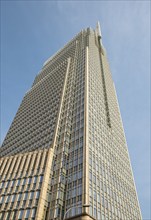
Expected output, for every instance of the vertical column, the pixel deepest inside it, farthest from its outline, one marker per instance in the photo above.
(17, 164)
(6, 166)
(85, 148)
(13, 165)
(22, 165)
(46, 181)
(43, 200)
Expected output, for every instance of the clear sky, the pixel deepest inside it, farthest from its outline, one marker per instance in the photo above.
(31, 31)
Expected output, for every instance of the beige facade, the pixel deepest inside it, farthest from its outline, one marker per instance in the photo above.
(25, 185)
(66, 146)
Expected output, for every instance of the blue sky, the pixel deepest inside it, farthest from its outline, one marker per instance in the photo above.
(31, 31)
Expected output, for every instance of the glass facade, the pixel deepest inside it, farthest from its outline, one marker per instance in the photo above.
(111, 187)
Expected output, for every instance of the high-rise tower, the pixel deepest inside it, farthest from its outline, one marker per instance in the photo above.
(66, 147)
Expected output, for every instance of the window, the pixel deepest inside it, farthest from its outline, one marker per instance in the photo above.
(13, 197)
(31, 195)
(94, 179)
(7, 199)
(23, 182)
(73, 200)
(25, 196)
(74, 192)
(98, 182)
(90, 176)
(98, 198)
(80, 181)
(90, 161)
(37, 194)
(60, 194)
(95, 195)
(1, 185)
(90, 210)
(102, 201)
(57, 212)
(12, 183)
(94, 212)
(80, 198)
(29, 180)
(18, 183)
(103, 218)
(7, 217)
(79, 174)
(41, 179)
(99, 215)
(79, 190)
(97, 167)
(20, 215)
(33, 212)
(1, 199)
(27, 213)
(90, 192)
(19, 196)
(35, 179)
(7, 183)
(2, 215)
(13, 215)
(79, 210)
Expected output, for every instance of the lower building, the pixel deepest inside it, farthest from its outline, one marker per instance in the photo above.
(25, 185)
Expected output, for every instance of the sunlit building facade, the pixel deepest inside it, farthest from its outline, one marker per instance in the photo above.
(65, 154)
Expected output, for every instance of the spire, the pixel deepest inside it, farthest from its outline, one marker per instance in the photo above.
(98, 29)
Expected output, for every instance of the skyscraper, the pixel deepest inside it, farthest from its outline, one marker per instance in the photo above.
(65, 154)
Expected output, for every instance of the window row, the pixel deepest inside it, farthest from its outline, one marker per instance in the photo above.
(19, 197)
(14, 215)
(21, 182)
